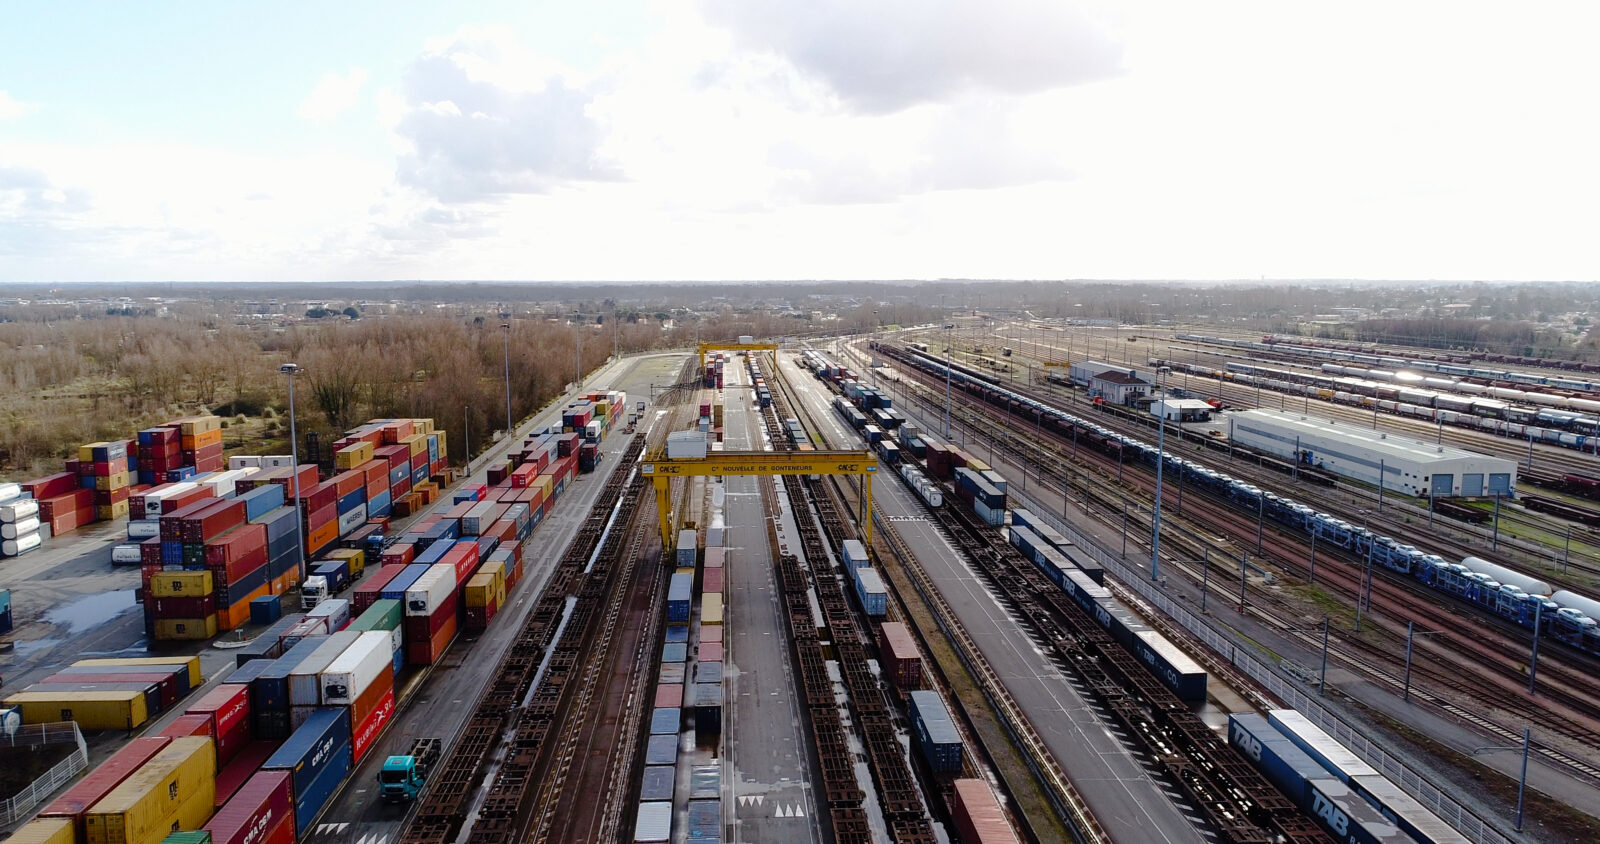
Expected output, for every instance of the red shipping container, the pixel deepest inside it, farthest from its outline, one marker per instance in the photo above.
(51, 486)
(669, 695)
(977, 814)
(189, 725)
(108, 497)
(897, 652)
(367, 732)
(307, 474)
(150, 552)
(232, 776)
(394, 432)
(316, 497)
(710, 633)
(66, 503)
(228, 706)
(101, 780)
(477, 619)
(372, 696)
(175, 503)
(711, 581)
(398, 554)
(182, 607)
(106, 469)
(206, 525)
(420, 628)
(419, 460)
(367, 591)
(168, 683)
(523, 475)
(345, 483)
(320, 517)
(710, 652)
(502, 530)
(265, 802)
(235, 544)
(464, 556)
(426, 652)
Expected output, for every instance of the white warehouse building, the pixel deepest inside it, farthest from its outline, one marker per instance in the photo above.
(1409, 466)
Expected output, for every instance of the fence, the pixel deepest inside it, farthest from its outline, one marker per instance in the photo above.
(21, 804)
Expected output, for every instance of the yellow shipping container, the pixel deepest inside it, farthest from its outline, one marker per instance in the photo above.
(86, 451)
(92, 710)
(110, 483)
(711, 609)
(175, 790)
(191, 662)
(356, 558)
(417, 443)
(423, 426)
(44, 831)
(443, 452)
(542, 483)
(186, 629)
(192, 425)
(352, 456)
(182, 584)
(107, 512)
(487, 586)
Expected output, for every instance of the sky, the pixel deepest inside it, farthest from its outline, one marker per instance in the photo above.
(761, 139)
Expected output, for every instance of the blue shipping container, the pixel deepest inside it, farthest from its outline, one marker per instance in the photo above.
(674, 652)
(280, 522)
(378, 505)
(936, 734)
(270, 691)
(666, 721)
(434, 552)
(352, 500)
(677, 633)
(247, 673)
(679, 592)
(869, 589)
(395, 590)
(266, 609)
(705, 820)
(1349, 818)
(1287, 767)
(658, 782)
(662, 750)
(262, 500)
(314, 748)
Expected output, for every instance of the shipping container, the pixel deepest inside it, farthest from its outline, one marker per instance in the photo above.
(44, 831)
(124, 710)
(688, 547)
(376, 709)
(1339, 761)
(305, 685)
(228, 709)
(979, 819)
(661, 750)
(658, 782)
(902, 664)
(705, 781)
(653, 823)
(680, 591)
(317, 757)
(936, 735)
(100, 781)
(869, 590)
(705, 820)
(434, 589)
(666, 720)
(172, 791)
(1170, 665)
(669, 695)
(261, 812)
(362, 664)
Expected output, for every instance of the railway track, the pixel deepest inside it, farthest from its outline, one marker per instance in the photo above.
(507, 718)
(899, 798)
(1376, 655)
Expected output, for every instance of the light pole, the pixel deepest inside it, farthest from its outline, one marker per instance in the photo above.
(1322, 677)
(1161, 459)
(1533, 662)
(505, 328)
(1411, 633)
(291, 370)
(466, 434)
(1522, 781)
(947, 341)
(1366, 578)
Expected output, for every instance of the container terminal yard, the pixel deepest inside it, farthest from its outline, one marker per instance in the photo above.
(995, 581)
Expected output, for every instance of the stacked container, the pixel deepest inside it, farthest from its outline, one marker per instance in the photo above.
(936, 735)
(103, 467)
(485, 593)
(317, 758)
(64, 505)
(898, 652)
(19, 522)
(362, 680)
(430, 607)
(174, 790)
(200, 440)
(261, 812)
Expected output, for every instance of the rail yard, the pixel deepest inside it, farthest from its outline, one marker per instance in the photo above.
(989, 581)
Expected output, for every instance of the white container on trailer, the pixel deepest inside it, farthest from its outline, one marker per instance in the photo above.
(352, 672)
(124, 554)
(144, 528)
(10, 491)
(430, 592)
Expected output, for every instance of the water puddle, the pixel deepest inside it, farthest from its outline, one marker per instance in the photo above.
(90, 611)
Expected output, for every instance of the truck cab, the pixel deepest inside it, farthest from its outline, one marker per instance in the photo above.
(313, 591)
(402, 777)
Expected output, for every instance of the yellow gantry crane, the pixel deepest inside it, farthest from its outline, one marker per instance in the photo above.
(702, 348)
(661, 469)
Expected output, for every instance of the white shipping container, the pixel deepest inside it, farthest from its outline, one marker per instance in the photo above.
(277, 461)
(124, 554)
(436, 586)
(348, 676)
(20, 546)
(221, 483)
(244, 461)
(144, 528)
(305, 679)
(19, 528)
(352, 520)
(18, 509)
(10, 491)
(336, 612)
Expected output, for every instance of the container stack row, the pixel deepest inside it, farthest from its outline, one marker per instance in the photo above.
(19, 522)
(868, 581)
(400, 464)
(112, 693)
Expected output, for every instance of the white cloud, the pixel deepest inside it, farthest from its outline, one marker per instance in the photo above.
(334, 95)
(11, 108)
(477, 127)
(884, 56)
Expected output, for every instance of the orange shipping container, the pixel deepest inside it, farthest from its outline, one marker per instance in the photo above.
(321, 537)
(236, 615)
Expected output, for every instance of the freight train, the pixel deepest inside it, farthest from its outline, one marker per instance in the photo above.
(1459, 358)
(1458, 369)
(1492, 588)
(1491, 415)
